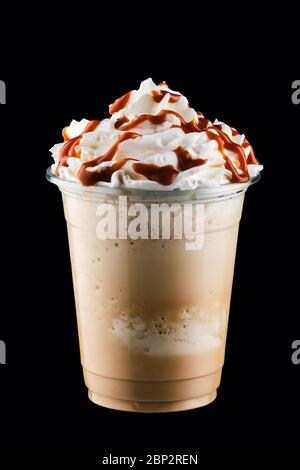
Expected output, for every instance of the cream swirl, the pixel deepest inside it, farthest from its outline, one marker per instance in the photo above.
(154, 140)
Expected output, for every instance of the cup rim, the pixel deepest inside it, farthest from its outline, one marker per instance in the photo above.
(199, 193)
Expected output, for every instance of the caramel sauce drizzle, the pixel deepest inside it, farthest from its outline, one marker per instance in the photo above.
(120, 122)
(119, 104)
(107, 172)
(225, 143)
(165, 174)
(88, 178)
(186, 161)
(203, 123)
(65, 134)
(251, 159)
(68, 149)
(159, 95)
(160, 118)
(163, 84)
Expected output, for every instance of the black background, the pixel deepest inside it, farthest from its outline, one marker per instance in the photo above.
(43, 401)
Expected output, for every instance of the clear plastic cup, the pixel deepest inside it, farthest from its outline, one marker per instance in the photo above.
(152, 315)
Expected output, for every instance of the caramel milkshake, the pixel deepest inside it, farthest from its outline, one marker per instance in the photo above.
(152, 313)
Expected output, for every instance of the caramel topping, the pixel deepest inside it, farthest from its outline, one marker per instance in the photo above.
(64, 153)
(91, 126)
(187, 127)
(65, 134)
(119, 104)
(156, 120)
(107, 172)
(239, 149)
(224, 142)
(160, 118)
(121, 121)
(233, 147)
(186, 161)
(236, 177)
(72, 151)
(158, 96)
(203, 123)
(88, 178)
(165, 174)
(68, 149)
(251, 159)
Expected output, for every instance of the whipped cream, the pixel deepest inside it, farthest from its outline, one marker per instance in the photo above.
(154, 140)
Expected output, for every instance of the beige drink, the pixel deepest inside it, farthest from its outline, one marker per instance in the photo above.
(152, 316)
(152, 313)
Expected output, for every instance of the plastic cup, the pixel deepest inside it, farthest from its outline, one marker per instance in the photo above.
(152, 315)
